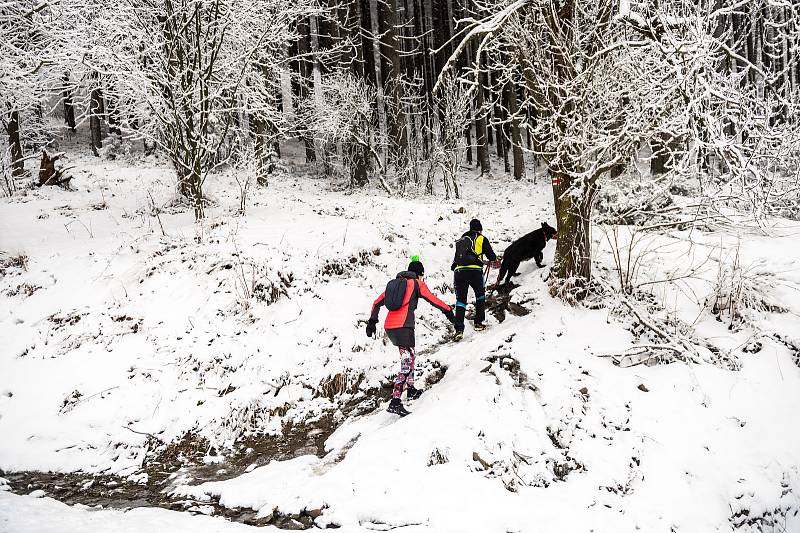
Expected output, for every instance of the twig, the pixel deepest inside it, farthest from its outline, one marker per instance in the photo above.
(684, 347)
(157, 212)
(143, 433)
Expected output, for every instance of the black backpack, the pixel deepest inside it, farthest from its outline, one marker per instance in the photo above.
(465, 252)
(395, 293)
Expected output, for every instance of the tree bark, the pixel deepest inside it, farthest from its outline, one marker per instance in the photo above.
(516, 137)
(376, 58)
(661, 148)
(573, 258)
(69, 107)
(15, 144)
(305, 75)
(112, 114)
(49, 174)
(481, 137)
(95, 112)
(399, 131)
(259, 129)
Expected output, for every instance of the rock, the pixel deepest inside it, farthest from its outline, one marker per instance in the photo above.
(293, 525)
(642, 388)
(477, 457)
(313, 513)
(38, 493)
(584, 391)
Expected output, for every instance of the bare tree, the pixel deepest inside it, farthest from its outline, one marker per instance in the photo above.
(27, 48)
(603, 79)
(188, 71)
(448, 147)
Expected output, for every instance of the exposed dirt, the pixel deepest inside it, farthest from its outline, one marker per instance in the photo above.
(498, 303)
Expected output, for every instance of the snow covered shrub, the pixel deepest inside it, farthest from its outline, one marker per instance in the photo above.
(117, 147)
(793, 345)
(340, 117)
(741, 293)
(255, 282)
(13, 264)
(345, 267)
(632, 202)
(448, 145)
(70, 401)
(630, 249)
(439, 456)
(23, 289)
(242, 420)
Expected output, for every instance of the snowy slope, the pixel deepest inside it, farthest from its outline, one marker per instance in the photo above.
(120, 340)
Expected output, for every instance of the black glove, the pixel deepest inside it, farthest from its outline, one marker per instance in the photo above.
(450, 316)
(371, 327)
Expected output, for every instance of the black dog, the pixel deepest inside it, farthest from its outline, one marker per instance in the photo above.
(528, 247)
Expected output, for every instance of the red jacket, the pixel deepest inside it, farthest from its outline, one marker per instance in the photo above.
(404, 317)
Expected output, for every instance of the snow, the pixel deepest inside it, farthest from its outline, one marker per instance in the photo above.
(23, 514)
(529, 430)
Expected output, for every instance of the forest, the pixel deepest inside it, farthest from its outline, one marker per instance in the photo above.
(404, 92)
(204, 205)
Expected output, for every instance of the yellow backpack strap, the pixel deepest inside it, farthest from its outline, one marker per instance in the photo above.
(479, 245)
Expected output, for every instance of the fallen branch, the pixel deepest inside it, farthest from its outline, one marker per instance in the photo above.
(680, 349)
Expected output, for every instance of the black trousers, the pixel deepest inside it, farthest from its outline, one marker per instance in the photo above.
(401, 337)
(463, 280)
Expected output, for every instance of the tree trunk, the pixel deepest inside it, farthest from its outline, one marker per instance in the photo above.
(190, 181)
(358, 169)
(376, 57)
(573, 257)
(516, 136)
(481, 138)
(305, 75)
(261, 149)
(359, 42)
(95, 112)
(112, 115)
(468, 136)
(399, 129)
(49, 174)
(660, 160)
(69, 107)
(15, 145)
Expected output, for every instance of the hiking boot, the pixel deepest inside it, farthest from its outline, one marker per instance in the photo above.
(412, 393)
(396, 407)
(479, 327)
(458, 336)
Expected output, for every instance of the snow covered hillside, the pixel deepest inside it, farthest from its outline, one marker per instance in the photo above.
(223, 366)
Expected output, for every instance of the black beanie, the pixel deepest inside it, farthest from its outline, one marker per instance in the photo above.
(475, 225)
(417, 268)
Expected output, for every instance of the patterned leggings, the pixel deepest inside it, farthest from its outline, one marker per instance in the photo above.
(405, 378)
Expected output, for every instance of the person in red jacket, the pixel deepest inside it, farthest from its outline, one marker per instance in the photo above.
(399, 327)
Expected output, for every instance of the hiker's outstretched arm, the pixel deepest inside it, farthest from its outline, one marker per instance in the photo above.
(376, 307)
(426, 293)
(487, 250)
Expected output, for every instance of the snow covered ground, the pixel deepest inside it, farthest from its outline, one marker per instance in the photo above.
(127, 327)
